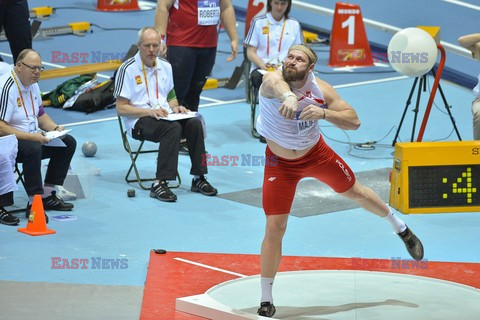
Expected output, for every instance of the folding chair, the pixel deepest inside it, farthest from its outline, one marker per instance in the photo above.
(19, 174)
(253, 110)
(20, 178)
(133, 157)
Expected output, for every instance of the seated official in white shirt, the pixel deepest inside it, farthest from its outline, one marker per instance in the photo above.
(22, 114)
(145, 96)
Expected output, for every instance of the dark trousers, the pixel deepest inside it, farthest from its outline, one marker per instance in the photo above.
(31, 153)
(256, 79)
(168, 134)
(14, 18)
(6, 199)
(191, 67)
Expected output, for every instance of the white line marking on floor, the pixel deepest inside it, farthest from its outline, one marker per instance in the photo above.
(361, 83)
(221, 103)
(210, 267)
(6, 55)
(344, 69)
(382, 65)
(210, 99)
(464, 4)
(115, 118)
(89, 122)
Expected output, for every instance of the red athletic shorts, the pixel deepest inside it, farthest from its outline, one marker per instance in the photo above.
(282, 175)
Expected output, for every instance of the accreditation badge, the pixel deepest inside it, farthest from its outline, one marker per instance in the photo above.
(32, 125)
(208, 12)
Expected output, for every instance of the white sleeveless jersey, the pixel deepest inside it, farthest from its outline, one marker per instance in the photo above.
(291, 134)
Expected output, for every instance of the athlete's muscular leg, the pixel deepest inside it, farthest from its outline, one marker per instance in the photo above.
(272, 244)
(367, 199)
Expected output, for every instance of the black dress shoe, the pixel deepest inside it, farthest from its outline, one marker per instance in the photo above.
(7, 218)
(53, 202)
(162, 192)
(203, 186)
(412, 243)
(266, 309)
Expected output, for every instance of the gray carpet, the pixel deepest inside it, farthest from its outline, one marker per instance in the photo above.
(313, 197)
(59, 301)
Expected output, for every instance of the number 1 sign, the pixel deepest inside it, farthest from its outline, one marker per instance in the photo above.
(348, 41)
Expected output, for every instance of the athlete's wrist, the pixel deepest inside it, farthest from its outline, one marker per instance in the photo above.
(288, 94)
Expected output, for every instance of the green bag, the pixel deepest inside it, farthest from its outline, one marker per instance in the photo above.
(66, 90)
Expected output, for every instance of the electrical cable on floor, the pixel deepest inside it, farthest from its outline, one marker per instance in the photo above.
(362, 146)
(229, 52)
(112, 29)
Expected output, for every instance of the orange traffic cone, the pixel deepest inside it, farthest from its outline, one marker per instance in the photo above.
(348, 41)
(37, 225)
(117, 5)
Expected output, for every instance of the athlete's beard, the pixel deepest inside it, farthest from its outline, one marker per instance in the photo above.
(290, 74)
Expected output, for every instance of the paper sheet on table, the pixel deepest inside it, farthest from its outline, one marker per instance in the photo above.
(180, 116)
(54, 137)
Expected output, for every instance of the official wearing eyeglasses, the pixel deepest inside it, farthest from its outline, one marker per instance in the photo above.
(22, 114)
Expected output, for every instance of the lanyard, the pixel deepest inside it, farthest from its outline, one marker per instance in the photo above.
(21, 97)
(268, 37)
(146, 82)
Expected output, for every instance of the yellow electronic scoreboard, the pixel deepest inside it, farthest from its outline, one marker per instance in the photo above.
(433, 177)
